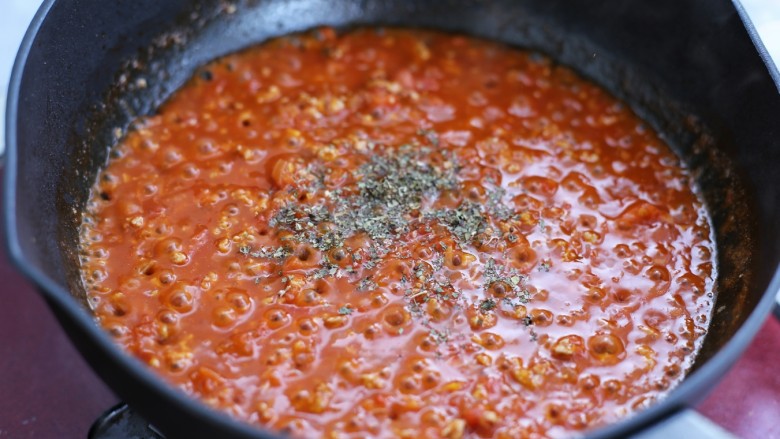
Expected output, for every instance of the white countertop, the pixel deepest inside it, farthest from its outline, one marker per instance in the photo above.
(16, 15)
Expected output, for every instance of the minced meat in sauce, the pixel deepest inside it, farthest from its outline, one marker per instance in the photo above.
(401, 233)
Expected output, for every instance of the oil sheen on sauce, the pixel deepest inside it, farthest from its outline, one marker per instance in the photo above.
(397, 233)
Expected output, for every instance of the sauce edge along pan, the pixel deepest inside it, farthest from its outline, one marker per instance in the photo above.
(693, 69)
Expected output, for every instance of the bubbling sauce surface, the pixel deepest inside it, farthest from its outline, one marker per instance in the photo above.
(397, 233)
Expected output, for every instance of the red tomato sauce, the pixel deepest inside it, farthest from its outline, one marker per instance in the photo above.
(397, 233)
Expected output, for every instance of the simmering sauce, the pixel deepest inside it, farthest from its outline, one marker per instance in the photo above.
(397, 233)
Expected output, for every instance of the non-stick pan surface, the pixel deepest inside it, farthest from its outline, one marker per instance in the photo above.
(688, 67)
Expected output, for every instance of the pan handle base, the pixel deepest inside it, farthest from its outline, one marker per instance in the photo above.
(121, 422)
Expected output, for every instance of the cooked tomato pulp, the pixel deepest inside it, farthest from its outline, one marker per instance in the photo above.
(399, 233)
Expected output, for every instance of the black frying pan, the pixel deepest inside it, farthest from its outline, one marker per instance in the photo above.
(688, 67)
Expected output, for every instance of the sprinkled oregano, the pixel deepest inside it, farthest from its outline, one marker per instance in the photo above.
(389, 187)
(366, 284)
(465, 222)
(509, 278)
(487, 305)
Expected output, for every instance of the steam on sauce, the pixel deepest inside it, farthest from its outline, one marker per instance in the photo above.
(399, 233)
